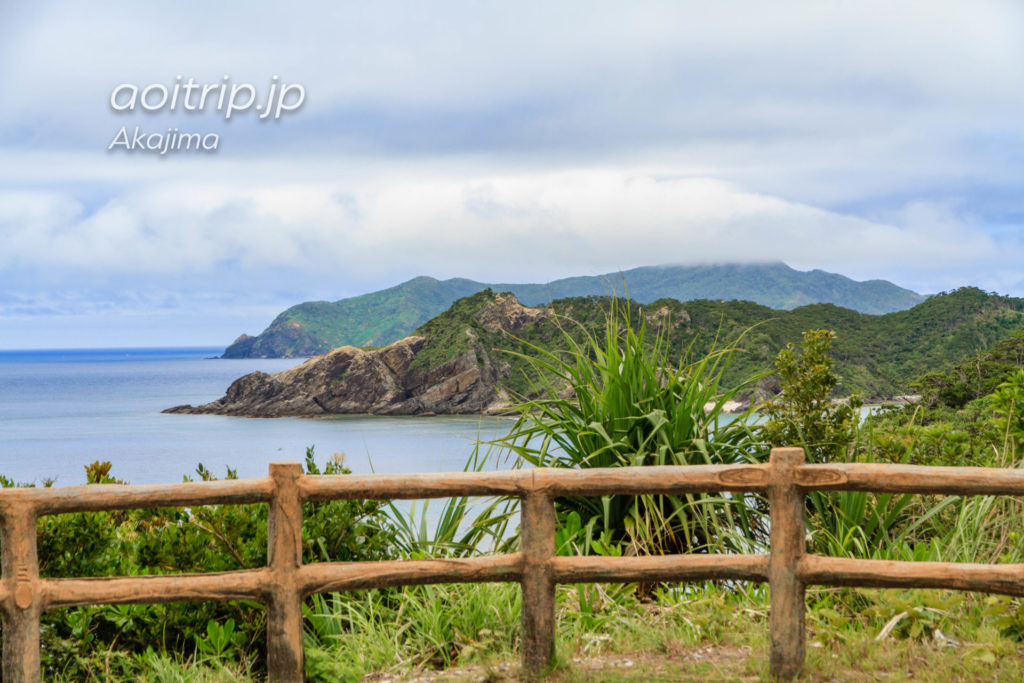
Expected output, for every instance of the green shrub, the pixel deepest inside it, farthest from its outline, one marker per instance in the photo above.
(803, 414)
(174, 540)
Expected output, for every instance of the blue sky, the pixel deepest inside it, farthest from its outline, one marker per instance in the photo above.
(499, 141)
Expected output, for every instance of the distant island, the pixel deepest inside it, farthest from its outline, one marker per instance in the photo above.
(383, 317)
(457, 363)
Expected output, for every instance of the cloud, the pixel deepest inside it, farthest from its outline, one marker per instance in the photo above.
(515, 141)
(533, 225)
(824, 104)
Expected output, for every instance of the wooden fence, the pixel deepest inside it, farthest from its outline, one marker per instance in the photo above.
(285, 581)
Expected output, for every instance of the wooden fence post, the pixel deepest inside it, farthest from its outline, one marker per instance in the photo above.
(786, 623)
(538, 585)
(22, 608)
(284, 556)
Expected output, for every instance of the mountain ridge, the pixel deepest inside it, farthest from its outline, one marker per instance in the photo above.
(382, 317)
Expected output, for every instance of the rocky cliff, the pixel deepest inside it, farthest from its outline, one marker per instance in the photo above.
(451, 374)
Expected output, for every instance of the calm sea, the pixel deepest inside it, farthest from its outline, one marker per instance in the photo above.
(60, 410)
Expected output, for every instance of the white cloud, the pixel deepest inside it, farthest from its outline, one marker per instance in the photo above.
(511, 141)
(500, 227)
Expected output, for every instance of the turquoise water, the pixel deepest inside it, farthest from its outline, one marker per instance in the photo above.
(60, 410)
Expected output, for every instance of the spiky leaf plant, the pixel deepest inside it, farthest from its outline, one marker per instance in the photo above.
(621, 400)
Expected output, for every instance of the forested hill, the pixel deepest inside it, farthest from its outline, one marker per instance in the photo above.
(879, 355)
(458, 362)
(383, 317)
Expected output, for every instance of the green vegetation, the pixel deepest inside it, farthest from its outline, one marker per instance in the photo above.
(382, 317)
(607, 634)
(177, 540)
(637, 399)
(708, 633)
(455, 332)
(774, 285)
(803, 412)
(316, 327)
(876, 356)
(974, 376)
(633, 404)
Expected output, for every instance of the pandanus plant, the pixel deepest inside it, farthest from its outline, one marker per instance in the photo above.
(622, 400)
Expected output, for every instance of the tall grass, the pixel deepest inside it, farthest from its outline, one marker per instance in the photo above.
(409, 628)
(464, 526)
(859, 524)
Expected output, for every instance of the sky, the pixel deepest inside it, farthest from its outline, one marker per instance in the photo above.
(505, 142)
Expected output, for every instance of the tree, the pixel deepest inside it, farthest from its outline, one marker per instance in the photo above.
(803, 414)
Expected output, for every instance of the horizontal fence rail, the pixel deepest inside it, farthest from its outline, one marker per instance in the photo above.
(285, 582)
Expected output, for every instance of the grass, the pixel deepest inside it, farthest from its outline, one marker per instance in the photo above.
(706, 632)
(150, 667)
(702, 632)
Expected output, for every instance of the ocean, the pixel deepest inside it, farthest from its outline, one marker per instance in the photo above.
(63, 409)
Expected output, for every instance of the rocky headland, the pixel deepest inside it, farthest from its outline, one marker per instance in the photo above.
(418, 375)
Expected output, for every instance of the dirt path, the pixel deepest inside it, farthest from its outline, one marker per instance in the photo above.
(708, 663)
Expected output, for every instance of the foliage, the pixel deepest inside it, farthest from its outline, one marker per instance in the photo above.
(444, 625)
(631, 406)
(975, 376)
(1007, 406)
(464, 526)
(887, 526)
(803, 414)
(455, 332)
(172, 540)
(981, 529)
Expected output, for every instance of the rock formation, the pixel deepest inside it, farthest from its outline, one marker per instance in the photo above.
(386, 380)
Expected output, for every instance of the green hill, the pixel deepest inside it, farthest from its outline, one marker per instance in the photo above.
(374, 319)
(879, 355)
(975, 376)
(382, 317)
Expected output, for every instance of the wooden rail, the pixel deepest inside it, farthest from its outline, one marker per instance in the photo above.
(285, 581)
